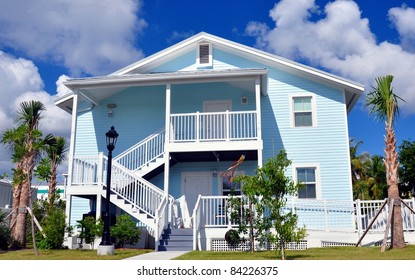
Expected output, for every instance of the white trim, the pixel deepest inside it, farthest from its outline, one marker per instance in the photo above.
(313, 109)
(346, 120)
(318, 181)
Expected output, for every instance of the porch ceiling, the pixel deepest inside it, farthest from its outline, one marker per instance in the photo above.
(214, 156)
(203, 157)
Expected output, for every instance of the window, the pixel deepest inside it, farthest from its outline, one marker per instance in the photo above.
(303, 111)
(204, 55)
(229, 185)
(307, 177)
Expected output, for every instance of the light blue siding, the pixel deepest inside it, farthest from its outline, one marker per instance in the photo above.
(79, 207)
(141, 111)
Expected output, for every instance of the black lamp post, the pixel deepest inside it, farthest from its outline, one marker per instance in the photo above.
(111, 136)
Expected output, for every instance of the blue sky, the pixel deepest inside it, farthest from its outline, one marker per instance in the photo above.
(42, 42)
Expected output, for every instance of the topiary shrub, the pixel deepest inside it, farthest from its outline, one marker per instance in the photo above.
(232, 237)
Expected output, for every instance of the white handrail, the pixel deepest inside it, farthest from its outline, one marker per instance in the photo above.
(145, 151)
(132, 188)
(196, 222)
(160, 219)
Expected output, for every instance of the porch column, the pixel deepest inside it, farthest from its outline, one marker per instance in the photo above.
(258, 117)
(71, 156)
(98, 208)
(167, 141)
(68, 211)
(73, 136)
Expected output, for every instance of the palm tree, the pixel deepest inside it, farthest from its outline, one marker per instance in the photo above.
(56, 155)
(25, 142)
(377, 173)
(383, 105)
(360, 165)
(14, 139)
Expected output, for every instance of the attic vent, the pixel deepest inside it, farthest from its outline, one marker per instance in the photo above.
(204, 56)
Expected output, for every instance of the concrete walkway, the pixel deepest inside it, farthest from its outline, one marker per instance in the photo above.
(160, 255)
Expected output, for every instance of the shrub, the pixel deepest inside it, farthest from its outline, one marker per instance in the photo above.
(4, 233)
(232, 237)
(90, 229)
(54, 226)
(125, 230)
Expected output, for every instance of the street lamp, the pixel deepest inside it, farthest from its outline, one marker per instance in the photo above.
(106, 246)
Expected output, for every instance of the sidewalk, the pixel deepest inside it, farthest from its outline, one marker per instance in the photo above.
(159, 255)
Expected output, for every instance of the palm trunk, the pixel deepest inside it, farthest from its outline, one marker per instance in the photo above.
(52, 186)
(391, 163)
(19, 234)
(17, 190)
(25, 196)
(16, 199)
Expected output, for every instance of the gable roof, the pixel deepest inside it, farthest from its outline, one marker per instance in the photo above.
(139, 70)
(353, 89)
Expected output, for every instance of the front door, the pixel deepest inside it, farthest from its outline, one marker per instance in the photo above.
(193, 184)
(216, 125)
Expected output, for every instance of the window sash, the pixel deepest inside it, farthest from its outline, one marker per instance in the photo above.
(307, 177)
(303, 111)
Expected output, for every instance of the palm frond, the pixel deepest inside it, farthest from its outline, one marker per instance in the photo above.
(382, 101)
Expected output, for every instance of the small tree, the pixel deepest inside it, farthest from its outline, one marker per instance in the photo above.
(125, 230)
(90, 229)
(268, 190)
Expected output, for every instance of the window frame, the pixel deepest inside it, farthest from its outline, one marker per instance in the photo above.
(313, 110)
(210, 59)
(314, 166)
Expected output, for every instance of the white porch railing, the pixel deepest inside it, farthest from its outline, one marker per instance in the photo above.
(143, 152)
(369, 208)
(328, 215)
(90, 171)
(161, 219)
(213, 126)
(133, 189)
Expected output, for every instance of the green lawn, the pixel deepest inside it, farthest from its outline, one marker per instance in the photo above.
(330, 253)
(29, 254)
(333, 253)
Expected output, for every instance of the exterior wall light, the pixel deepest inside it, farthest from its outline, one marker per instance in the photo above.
(111, 106)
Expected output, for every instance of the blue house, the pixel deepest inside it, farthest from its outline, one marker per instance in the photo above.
(188, 113)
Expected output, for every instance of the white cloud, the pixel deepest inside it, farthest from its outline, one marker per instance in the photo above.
(404, 20)
(341, 41)
(21, 81)
(94, 37)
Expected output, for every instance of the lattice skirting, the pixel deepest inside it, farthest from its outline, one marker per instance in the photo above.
(218, 244)
(335, 244)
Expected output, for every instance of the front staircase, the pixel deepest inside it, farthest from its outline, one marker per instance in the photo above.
(177, 239)
(129, 190)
